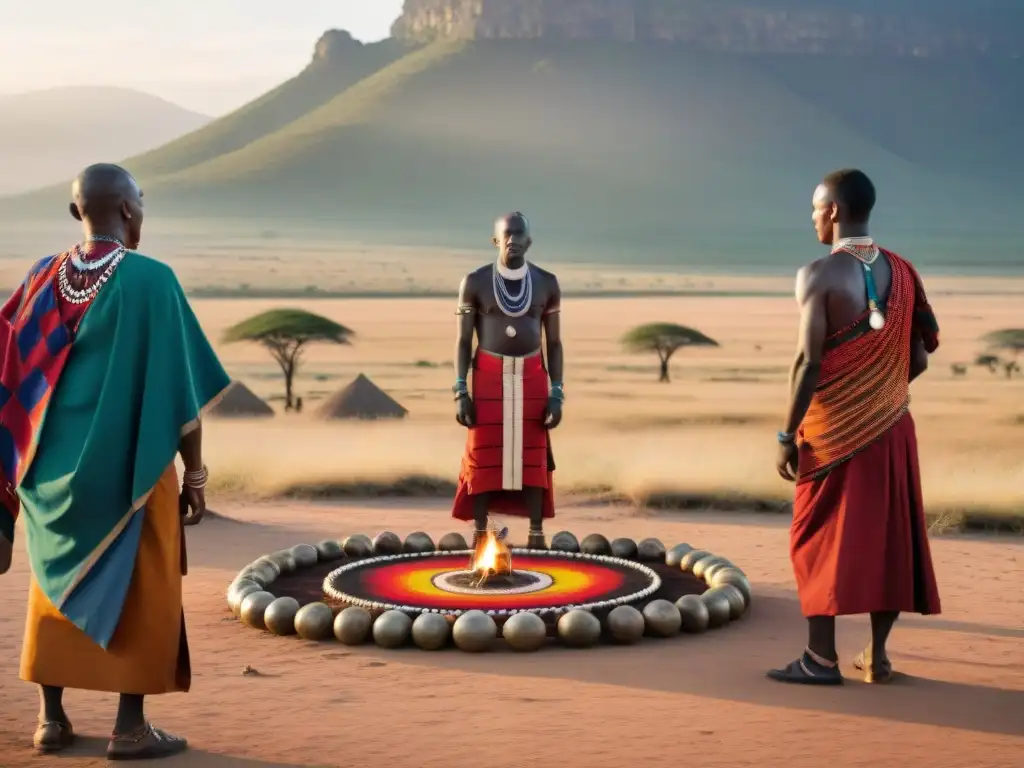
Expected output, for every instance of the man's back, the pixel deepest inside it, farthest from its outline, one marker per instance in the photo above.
(844, 279)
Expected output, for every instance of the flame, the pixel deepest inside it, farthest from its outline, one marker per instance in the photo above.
(491, 557)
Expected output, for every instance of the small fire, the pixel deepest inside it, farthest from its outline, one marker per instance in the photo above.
(492, 557)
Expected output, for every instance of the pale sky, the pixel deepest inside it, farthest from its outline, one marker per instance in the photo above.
(206, 55)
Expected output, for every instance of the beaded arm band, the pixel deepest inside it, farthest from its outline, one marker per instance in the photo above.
(552, 311)
(465, 309)
(557, 392)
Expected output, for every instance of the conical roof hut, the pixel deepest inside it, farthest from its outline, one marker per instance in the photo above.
(362, 399)
(239, 402)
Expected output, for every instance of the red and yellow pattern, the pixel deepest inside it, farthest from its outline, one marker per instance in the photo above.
(573, 582)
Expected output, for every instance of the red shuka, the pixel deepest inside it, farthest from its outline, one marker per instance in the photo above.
(858, 540)
(508, 449)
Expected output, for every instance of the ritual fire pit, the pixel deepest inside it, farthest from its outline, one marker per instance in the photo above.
(581, 593)
(492, 561)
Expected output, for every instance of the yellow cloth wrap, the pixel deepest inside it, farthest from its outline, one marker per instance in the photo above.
(149, 651)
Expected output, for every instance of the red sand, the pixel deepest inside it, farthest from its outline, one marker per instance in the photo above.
(692, 700)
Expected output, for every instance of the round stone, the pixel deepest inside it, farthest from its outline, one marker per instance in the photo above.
(624, 548)
(352, 625)
(254, 605)
(240, 581)
(453, 542)
(386, 543)
(474, 631)
(314, 621)
(651, 551)
(662, 618)
(271, 565)
(431, 631)
(262, 573)
(564, 541)
(391, 629)
(358, 545)
(625, 624)
(719, 610)
(418, 543)
(691, 557)
(675, 555)
(693, 612)
(305, 555)
(239, 592)
(711, 570)
(701, 566)
(285, 561)
(328, 550)
(579, 629)
(280, 616)
(737, 579)
(737, 603)
(525, 632)
(595, 544)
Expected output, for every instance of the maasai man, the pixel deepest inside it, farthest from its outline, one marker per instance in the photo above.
(105, 375)
(507, 467)
(858, 541)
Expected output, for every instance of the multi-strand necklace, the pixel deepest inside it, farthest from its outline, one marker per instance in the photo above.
(101, 269)
(512, 304)
(866, 252)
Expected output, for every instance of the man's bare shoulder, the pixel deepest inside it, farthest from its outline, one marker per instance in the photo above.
(544, 273)
(816, 277)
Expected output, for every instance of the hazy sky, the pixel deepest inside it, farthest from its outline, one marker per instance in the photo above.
(207, 55)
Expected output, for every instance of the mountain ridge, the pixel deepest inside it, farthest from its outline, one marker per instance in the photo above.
(39, 144)
(901, 27)
(662, 151)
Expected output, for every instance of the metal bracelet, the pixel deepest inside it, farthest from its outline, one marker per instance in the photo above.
(197, 479)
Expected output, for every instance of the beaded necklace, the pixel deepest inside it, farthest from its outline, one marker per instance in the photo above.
(866, 252)
(102, 269)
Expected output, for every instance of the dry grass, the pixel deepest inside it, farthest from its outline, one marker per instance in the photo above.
(707, 435)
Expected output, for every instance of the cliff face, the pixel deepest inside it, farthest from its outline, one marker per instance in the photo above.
(894, 27)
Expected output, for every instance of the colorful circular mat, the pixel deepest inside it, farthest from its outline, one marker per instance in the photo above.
(543, 581)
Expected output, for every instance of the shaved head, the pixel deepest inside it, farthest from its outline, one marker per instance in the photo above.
(512, 238)
(515, 219)
(108, 200)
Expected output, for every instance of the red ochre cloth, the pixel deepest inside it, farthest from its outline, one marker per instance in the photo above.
(858, 540)
(509, 448)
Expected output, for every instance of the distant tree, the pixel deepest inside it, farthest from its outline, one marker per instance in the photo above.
(958, 369)
(1010, 341)
(285, 333)
(992, 362)
(664, 339)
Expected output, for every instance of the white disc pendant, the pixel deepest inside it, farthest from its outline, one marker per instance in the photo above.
(876, 320)
(511, 332)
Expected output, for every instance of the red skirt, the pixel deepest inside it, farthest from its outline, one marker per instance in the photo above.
(858, 541)
(508, 449)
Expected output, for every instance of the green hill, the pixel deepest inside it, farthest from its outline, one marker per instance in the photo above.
(338, 62)
(617, 151)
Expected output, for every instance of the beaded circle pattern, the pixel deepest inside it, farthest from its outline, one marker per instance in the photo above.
(438, 582)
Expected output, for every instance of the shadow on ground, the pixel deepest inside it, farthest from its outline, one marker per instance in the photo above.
(722, 664)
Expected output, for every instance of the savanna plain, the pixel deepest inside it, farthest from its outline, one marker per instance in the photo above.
(687, 460)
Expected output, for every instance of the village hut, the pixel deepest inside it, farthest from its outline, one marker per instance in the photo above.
(239, 402)
(362, 399)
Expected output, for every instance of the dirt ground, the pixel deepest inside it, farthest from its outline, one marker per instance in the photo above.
(691, 700)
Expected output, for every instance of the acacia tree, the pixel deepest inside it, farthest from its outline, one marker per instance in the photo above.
(1010, 341)
(664, 339)
(285, 333)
